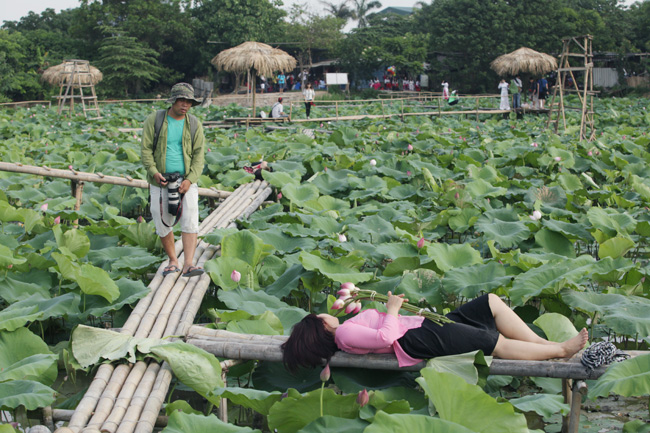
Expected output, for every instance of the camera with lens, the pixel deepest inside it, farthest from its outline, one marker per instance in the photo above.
(174, 181)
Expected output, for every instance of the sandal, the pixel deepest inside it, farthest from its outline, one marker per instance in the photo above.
(171, 269)
(193, 271)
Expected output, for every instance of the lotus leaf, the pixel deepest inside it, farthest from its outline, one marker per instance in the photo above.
(503, 226)
(469, 281)
(542, 404)
(27, 393)
(556, 327)
(180, 422)
(335, 271)
(259, 401)
(628, 378)
(400, 423)
(449, 257)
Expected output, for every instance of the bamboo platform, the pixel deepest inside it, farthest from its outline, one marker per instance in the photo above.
(127, 398)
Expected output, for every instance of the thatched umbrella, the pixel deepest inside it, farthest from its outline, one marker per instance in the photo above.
(524, 60)
(254, 57)
(61, 74)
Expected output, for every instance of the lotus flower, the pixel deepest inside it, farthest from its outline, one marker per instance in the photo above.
(343, 292)
(363, 398)
(352, 306)
(408, 172)
(325, 374)
(70, 166)
(57, 220)
(457, 196)
(348, 286)
(536, 215)
(534, 144)
(357, 307)
(342, 238)
(44, 207)
(279, 196)
(373, 162)
(338, 304)
(589, 153)
(235, 276)
(9, 266)
(236, 135)
(420, 243)
(558, 159)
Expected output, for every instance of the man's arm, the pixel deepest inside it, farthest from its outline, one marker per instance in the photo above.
(197, 155)
(146, 149)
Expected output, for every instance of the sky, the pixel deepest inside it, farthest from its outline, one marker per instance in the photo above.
(13, 10)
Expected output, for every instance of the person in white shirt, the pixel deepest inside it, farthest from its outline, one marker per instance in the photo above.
(277, 111)
(505, 102)
(309, 95)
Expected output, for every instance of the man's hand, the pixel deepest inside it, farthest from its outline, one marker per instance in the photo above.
(185, 186)
(160, 179)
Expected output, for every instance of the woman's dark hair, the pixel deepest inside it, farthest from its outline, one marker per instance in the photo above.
(309, 344)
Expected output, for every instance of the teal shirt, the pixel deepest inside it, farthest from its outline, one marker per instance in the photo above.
(175, 161)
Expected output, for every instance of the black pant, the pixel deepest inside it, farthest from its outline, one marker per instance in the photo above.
(308, 108)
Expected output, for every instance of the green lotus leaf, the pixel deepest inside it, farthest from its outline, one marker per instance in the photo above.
(479, 188)
(570, 182)
(626, 315)
(400, 423)
(553, 197)
(221, 268)
(17, 346)
(279, 179)
(7, 257)
(628, 378)
(463, 365)
(402, 192)
(395, 250)
(421, 284)
(244, 246)
(287, 282)
(448, 256)
(180, 422)
(615, 247)
(119, 257)
(180, 406)
(27, 393)
(334, 271)
(556, 327)
(37, 308)
(300, 193)
(329, 183)
(460, 221)
(194, 367)
(549, 278)
(326, 203)
(610, 221)
(326, 224)
(503, 226)
(572, 231)
(259, 401)
(555, 243)
(264, 324)
(296, 411)
(74, 240)
(374, 229)
(400, 265)
(15, 287)
(33, 367)
(469, 281)
(130, 292)
(468, 405)
(543, 404)
(17, 317)
(328, 423)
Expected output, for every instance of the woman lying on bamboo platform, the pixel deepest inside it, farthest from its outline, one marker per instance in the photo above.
(485, 323)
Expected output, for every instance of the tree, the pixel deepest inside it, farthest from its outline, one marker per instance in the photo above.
(127, 64)
(19, 77)
(341, 10)
(361, 9)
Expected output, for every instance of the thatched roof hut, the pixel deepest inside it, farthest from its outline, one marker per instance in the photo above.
(524, 60)
(254, 58)
(261, 58)
(61, 74)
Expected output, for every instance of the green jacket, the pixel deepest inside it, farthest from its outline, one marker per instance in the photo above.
(193, 153)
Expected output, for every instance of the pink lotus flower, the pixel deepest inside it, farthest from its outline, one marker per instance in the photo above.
(235, 276)
(343, 292)
(70, 166)
(409, 147)
(342, 238)
(348, 286)
(279, 196)
(338, 304)
(57, 220)
(557, 159)
(324, 168)
(325, 374)
(373, 162)
(420, 243)
(209, 150)
(9, 266)
(44, 207)
(351, 308)
(408, 172)
(140, 219)
(236, 135)
(589, 153)
(534, 144)
(363, 398)
(457, 196)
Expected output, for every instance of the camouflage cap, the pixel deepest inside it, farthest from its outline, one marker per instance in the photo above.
(184, 91)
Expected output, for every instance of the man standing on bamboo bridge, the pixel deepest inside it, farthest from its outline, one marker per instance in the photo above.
(173, 154)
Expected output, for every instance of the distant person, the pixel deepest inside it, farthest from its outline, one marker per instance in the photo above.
(277, 111)
(542, 91)
(445, 89)
(505, 103)
(282, 82)
(532, 93)
(515, 91)
(309, 95)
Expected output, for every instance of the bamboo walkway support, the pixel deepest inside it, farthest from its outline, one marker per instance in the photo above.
(80, 176)
(127, 398)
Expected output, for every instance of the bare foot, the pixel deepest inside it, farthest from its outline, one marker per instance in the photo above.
(575, 344)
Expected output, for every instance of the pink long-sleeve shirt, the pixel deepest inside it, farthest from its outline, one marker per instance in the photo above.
(373, 332)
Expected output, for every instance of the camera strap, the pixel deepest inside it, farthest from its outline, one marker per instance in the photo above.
(178, 214)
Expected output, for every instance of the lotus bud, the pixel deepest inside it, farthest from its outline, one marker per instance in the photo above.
(348, 286)
(9, 266)
(338, 304)
(284, 395)
(357, 307)
(344, 297)
(342, 238)
(352, 306)
(457, 196)
(624, 137)
(57, 220)
(236, 135)
(363, 398)
(325, 374)
(279, 196)
(536, 215)
(420, 243)
(44, 207)
(589, 153)
(324, 168)
(343, 292)
(408, 172)
(558, 159)
(235, 276)
(373, 162)
(70, 166)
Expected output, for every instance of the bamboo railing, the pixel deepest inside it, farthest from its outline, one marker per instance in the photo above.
(127, 398)
(81, 176)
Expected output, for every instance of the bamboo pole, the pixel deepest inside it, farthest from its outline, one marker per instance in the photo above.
(66, 414)
(123, 400)
(578, 390)
(108, 397)
(134, 411)
(94, 177)
(79, 188)
(87, 404)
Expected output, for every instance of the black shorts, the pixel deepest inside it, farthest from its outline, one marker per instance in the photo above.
(475, 329)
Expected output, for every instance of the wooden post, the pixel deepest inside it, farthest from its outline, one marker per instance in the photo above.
(382, 107)
(439, 106)
(337, 110)
(477, 107)
(290, 109)
(578, 390)
(78, 194)
(566, 393)
(223, 407)
(402, 110)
